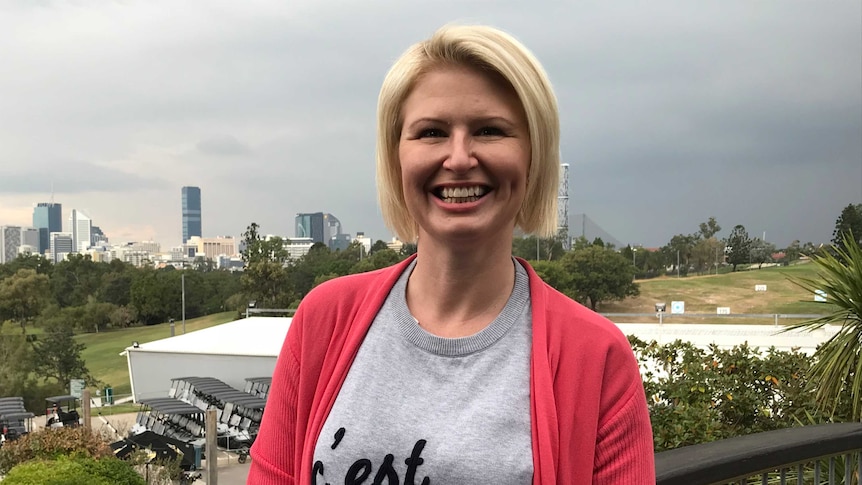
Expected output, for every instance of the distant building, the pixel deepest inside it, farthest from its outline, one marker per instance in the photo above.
(15, 240)
(298, 247)
(97, 237)
(191, 213)
(339, 242)
(319, 227)
(395, 244)
(149, 246)
(212, 247)
(10, 241)
(61, 245)
(364, 241)
(47, 218)
(81, 228)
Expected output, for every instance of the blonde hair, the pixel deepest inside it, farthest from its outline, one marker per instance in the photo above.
(494, 52)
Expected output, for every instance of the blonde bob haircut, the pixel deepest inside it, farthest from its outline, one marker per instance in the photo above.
(500, 55)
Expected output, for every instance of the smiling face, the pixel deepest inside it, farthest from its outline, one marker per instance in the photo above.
(464, 153)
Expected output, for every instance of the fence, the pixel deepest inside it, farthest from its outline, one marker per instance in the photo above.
(826, 453)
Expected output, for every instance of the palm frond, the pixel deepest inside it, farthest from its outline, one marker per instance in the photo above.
(837, 369)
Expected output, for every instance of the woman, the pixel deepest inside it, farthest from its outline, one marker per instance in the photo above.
(458, 365)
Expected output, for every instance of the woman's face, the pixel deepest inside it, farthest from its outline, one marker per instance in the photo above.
(464, 154)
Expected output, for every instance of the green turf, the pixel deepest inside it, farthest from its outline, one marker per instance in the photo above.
(102, 354)
(703, 294)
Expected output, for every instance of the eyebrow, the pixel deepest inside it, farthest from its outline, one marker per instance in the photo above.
(480, 120)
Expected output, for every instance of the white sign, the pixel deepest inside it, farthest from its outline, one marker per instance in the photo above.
(723, 310)
(76, 387)
(759, 287)
(677, 307)
(819, 295)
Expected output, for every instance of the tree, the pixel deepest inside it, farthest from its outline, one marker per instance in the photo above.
(599, 275)
(407, 249)
(15, 360)
(678, 252)
(738, 245)
(837, 369)
(533, 248)
(23, 296)
(75, 278)
(707, 253)
(761, 252)
(791, 252)
(709, 228)
(57, 355)
(378, 246)
(849, 222)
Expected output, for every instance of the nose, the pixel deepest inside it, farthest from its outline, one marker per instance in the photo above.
(461, 157)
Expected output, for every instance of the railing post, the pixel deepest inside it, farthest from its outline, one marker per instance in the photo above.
(776, 319)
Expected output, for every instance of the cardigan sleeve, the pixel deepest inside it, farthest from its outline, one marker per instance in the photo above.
(276, 449)
(624, 442)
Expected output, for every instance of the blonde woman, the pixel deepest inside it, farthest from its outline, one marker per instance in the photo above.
(458, 365)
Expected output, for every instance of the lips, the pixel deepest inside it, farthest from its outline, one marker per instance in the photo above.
(459, 195)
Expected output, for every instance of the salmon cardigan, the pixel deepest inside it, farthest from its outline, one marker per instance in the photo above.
(589, 417)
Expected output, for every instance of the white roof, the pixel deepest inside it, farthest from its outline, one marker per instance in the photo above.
(255, 336)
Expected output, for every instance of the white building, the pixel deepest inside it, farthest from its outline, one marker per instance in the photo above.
(212, 247)
(230, 352)
(365, 241)
(298, 247)
(81, 227)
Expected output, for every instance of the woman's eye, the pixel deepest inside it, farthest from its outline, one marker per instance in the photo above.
(490, 131)
(431, 133)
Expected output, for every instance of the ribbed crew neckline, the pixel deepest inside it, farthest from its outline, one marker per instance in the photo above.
(456, 347)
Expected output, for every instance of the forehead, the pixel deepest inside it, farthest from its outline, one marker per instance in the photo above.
(454, 80)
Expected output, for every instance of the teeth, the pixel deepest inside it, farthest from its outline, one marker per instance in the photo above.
(462, 192)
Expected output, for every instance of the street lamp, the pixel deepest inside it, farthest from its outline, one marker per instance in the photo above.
(634, 263)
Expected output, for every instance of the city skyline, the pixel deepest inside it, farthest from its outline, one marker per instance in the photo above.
(671, 112)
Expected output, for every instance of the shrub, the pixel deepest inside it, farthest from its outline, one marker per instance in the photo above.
(49, 444)
(700, 395)
(74, 471)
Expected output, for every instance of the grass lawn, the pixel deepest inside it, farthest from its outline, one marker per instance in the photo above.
(102, 354)
(703, 294)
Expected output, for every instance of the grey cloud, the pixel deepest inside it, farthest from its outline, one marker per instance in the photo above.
(222, 145)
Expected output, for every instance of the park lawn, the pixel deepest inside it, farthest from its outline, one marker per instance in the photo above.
(703, 294)
(102, 355)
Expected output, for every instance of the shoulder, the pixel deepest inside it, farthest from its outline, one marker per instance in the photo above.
(357, 287)
(332, 301)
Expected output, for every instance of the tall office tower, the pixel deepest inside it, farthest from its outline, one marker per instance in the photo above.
(47, 218)
(62, 243)
(81, 228)
(318, 226)
(310, 225)
(191, 213)
(10, 241)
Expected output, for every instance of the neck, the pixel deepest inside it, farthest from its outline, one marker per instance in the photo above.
(458, 293)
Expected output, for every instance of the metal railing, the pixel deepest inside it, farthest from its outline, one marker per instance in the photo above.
(818, 454)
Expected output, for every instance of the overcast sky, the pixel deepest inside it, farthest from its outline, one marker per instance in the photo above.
(672, 112)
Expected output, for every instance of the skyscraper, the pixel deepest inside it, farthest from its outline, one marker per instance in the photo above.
(81, 228)
(191, 213)
(319, 227)
(10, 241)
(47, 218)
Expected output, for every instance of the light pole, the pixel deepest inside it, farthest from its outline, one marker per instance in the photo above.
(634, 263)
